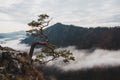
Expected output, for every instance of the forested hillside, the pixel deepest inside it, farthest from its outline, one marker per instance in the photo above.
(82, 37)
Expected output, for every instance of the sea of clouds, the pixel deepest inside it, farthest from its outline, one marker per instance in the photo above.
(87, 59)
(14, 43)
(83, 58)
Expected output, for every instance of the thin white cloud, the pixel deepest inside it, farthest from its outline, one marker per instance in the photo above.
(77, 12)
(8, 3)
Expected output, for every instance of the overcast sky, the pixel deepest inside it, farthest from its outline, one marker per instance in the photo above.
(15, 14)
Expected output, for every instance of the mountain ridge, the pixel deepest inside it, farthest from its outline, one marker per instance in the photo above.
(69, 35)
(81, 37)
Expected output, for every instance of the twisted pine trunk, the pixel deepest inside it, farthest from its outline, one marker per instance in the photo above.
(35, 44)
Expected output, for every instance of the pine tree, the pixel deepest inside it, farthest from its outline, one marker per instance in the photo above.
(48, 49)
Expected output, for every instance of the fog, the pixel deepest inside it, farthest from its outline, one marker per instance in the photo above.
(14, 43)
(83, 58)
(87, 59)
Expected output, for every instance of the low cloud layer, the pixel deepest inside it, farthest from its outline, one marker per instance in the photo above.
(15, 44)
(84, 58)
(89, 59)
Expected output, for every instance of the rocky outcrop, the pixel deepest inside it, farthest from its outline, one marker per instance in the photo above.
(16, 65)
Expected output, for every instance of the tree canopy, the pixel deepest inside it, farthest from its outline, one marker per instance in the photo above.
(48, 49)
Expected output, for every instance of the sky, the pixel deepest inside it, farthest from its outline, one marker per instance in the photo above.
(15, 14)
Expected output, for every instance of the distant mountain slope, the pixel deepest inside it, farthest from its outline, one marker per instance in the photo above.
(13, 35)
(83, 38)
(6, 38)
